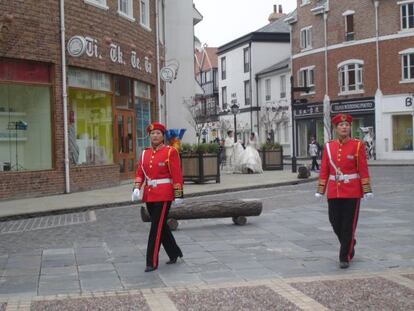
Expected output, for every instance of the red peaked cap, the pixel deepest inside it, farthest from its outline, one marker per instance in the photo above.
(156, 126)
(341, 118)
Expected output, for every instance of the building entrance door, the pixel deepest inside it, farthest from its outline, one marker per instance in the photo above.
(125, 142)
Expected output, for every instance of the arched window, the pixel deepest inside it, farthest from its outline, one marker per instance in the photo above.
(350, 76)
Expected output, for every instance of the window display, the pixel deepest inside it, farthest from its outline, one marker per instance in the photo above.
(25, 127)
(402, 132)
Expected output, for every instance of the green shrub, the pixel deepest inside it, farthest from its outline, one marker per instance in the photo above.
(200, 148)
(271, 146)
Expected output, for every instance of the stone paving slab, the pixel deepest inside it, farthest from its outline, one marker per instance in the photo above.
(374, 293)
(238, 298)
(409, 276)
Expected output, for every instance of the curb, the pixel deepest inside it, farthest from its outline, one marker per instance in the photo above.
(129, 203)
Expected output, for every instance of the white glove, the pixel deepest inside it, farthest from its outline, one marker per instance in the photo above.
(178, 201)
(318, 195)
(135, 195)
(368, 196)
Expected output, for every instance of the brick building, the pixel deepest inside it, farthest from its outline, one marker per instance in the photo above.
(110, 54)
(357, 57)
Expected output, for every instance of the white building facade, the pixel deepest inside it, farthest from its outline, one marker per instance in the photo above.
(239, 61)
(273, 84)
(180, 18)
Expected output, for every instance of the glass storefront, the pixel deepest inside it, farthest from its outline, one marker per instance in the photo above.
(25, 116)
(90, 118)
(143, 114)
(25, 127)
(402, 132)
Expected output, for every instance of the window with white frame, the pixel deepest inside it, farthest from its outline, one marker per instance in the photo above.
(307, 78)
(246, 59)
(268, 90)
(247, 92)
(407, 65)
(223, 68)
(282, 86)
(407, 15)
(350, 76)
(125, 9)
(306, 38)
(349, 25)
(98, 3)
(224, 97)
(304, 2)
(144, 13)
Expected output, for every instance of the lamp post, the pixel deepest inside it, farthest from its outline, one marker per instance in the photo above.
(292, 100)
(235, 110)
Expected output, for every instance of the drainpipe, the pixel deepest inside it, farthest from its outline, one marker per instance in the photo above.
(376, 4)
(64, 95)
(157, 36)
(257, 104)
(325, 27)
(251, 88)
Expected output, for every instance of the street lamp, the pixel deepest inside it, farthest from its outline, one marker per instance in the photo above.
(292, 100)
(235, 110)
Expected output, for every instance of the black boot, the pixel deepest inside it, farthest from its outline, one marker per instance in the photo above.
(174, 260)
(149, 269)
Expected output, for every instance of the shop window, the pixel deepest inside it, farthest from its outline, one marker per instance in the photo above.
(407, 15)
(123, 92)
(143, 115)
(25, 127)
(145, 13)
(90, 118)
(350, 76)
(125, 9)
(402, 132)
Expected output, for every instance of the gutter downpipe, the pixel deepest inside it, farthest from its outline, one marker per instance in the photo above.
(257, 103)
(251, 88)
(325, 21)
(64, 95)
(157, 38)
(376, 4)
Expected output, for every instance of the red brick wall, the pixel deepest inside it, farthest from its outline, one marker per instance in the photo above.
(34, 34)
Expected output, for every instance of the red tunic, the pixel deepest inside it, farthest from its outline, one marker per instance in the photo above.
(350, 159)
(160, 163)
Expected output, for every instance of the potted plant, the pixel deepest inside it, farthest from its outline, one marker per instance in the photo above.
(272, 156)
(200, 162)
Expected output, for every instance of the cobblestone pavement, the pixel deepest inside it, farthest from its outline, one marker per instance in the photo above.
(286, 258)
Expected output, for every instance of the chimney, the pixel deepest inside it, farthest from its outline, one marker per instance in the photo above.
(275, 14)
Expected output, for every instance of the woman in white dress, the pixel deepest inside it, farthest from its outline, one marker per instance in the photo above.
(248, 160)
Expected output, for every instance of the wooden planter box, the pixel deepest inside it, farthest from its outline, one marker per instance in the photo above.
(200, 168)
(272, 159)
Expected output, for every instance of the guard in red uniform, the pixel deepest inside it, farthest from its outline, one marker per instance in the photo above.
(344, 177)
(159, 173)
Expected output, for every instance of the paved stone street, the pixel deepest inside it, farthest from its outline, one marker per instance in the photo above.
(285, 259)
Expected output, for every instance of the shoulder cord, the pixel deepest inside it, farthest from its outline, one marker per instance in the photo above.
(357, 154)
(330, 159)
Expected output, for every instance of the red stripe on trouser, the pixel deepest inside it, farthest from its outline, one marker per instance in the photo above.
(158, 237)
(351, 246)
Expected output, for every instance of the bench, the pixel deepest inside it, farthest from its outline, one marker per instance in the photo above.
(238, 210)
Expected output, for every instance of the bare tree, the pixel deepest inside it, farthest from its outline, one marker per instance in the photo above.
(273, 114)
(196, 117)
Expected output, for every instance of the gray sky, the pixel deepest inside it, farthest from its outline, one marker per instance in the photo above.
(226, 20)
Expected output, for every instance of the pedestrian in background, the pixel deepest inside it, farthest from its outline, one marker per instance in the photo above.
(344, 176)
(314, 150)
(159, 173)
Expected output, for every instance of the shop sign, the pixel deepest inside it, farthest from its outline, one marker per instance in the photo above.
(353, 106)
(310, 110)
(409, 102)
(78, 46)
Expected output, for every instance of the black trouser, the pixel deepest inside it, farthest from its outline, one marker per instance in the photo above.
(160, 233)
(343, 215)
(314, 163)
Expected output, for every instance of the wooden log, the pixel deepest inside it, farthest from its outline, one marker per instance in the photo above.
(213, 209)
